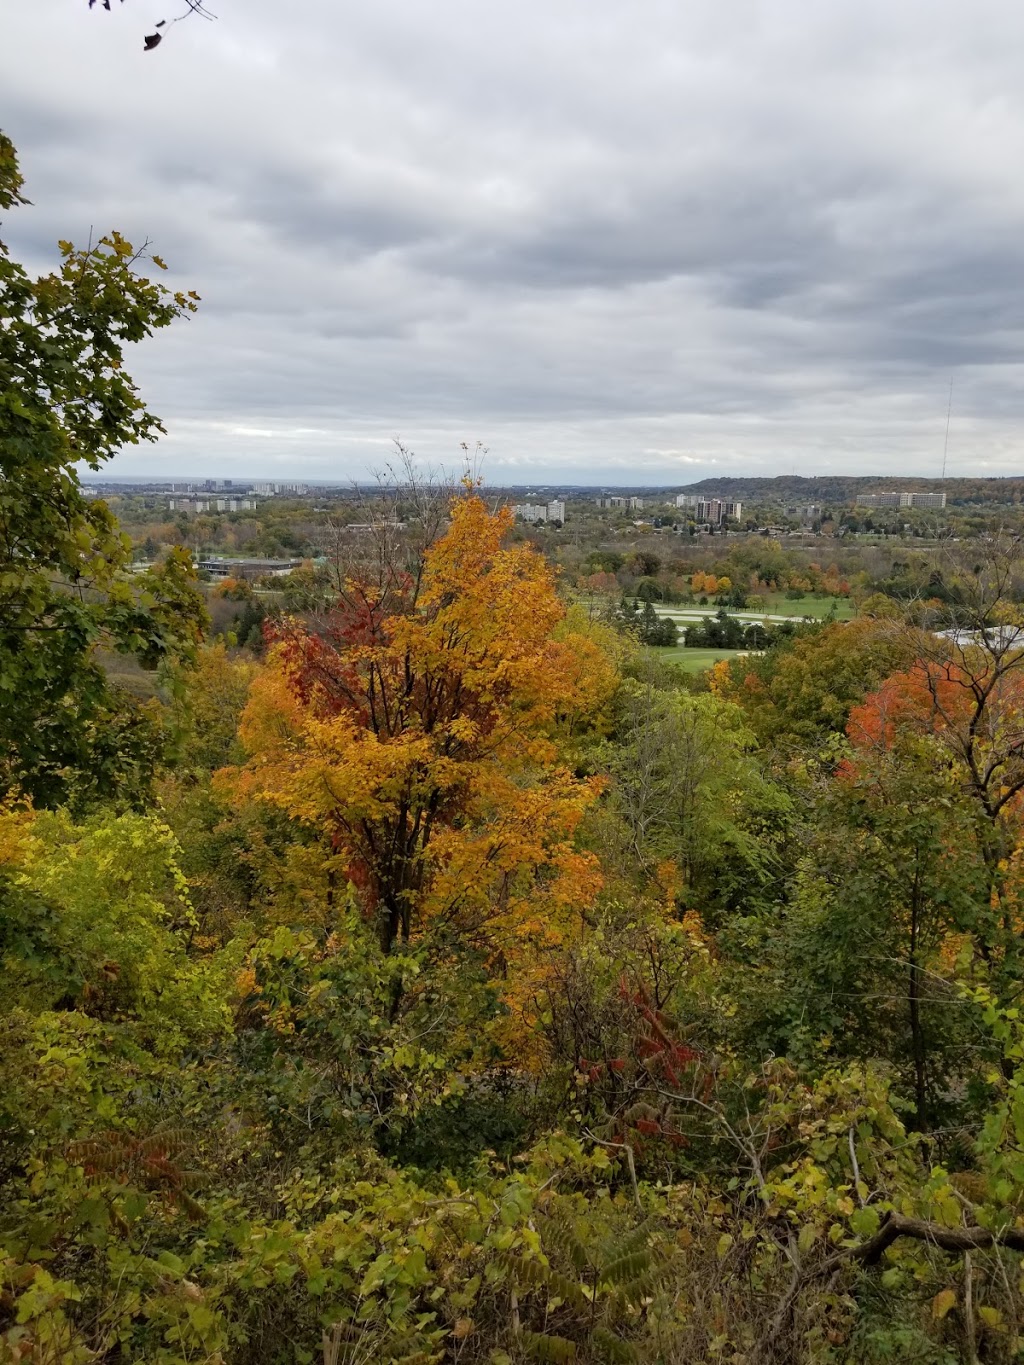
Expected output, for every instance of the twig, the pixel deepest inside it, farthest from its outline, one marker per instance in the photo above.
(856, 1169)
(778, 1322)
(624, 1147)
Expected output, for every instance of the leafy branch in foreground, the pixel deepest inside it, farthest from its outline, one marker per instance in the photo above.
(65, 593)
(153, 40)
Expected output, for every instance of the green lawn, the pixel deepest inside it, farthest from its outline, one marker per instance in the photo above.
(694, 660)
(811, 605)
(125, 672)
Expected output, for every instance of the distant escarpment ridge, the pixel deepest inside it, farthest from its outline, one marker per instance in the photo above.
(838, 488)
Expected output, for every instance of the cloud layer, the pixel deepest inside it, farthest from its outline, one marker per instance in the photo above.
(632, 243)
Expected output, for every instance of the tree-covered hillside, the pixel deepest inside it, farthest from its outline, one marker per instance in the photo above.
(843, 488)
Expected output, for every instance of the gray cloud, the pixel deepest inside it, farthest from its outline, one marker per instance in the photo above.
(642, 243)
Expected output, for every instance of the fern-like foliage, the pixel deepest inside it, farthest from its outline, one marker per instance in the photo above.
(590, 1291)
(613, 1349)
(151, 1163)
(626, 1271)
(544, 1346)
(367, 1342)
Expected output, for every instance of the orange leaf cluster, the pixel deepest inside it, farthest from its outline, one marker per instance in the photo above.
(924, 698)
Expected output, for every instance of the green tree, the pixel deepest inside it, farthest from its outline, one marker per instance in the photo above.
(66, 401)
(687, 789)
(719, 632)
(890, 881)
(655, 629)
(96, 917)
(644, 563)
(802, 689)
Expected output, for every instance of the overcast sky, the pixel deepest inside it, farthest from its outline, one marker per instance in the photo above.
(634, 241)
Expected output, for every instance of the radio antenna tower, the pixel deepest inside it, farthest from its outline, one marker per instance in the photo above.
(945, 444)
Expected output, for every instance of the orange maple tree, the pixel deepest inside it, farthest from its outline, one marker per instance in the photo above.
(973, 709)
(417, 727)
(968, 712)
(923, 698)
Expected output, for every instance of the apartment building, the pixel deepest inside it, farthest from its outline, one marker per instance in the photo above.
(529, 511)
(900, 499)
(711, 510)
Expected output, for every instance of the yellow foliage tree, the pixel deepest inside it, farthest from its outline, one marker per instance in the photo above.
(417, 729)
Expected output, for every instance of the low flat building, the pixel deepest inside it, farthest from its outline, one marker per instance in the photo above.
(900, 498)
(247, 568)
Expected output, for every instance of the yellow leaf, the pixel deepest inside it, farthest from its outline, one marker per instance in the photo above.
(991, 1317)
(942, 1303)
(950, 1212)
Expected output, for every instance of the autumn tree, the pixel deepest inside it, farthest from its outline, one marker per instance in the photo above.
(416, 729)
(66, 400)
(802, 689)
(963, 693)
(969, 681)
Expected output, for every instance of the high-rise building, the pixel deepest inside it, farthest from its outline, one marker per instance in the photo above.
(711, 510)
(195, 505)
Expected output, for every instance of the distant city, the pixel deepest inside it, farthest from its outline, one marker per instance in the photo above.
(530, 503)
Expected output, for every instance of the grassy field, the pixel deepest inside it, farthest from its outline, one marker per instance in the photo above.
(694, 660)
(780, 605)
(125, 672)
